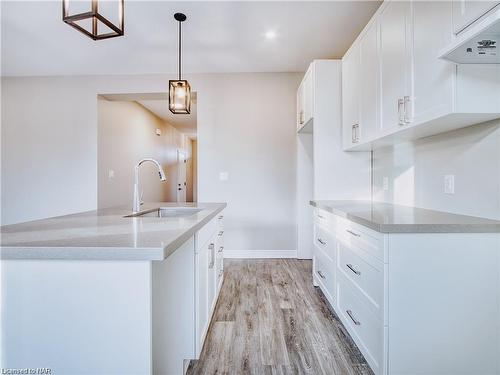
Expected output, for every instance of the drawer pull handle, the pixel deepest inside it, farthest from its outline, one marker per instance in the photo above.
(321, 216)
(321, 274)
(350, 266)
(221, 233)
(221, 249)
(211, 247)
(353, 233)
(357, 322)
(321, 241)
(221, 217)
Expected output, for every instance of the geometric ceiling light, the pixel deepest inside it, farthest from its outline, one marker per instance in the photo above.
(88, 17)
(179, 90)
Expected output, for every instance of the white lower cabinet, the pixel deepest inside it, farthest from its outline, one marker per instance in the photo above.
(209, 276)
(414, 303)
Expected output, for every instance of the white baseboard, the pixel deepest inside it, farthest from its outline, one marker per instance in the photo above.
(255, 254)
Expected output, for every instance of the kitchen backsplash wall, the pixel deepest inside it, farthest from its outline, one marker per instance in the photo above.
(415, 171)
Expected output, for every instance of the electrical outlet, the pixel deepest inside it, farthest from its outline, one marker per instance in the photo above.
(449, 184)
(385, 183)
(223, 176)
(111, 173)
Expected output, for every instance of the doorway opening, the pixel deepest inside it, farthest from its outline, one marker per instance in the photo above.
(136, 126)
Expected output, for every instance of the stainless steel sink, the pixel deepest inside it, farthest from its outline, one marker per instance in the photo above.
(168, 212)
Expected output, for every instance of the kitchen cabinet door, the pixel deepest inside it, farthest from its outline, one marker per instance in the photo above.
(350, 96)
(467, 11)
(394, 60)
(308, 96)
(369, 112)
(300, 106)
(202, 318)
(432, 83)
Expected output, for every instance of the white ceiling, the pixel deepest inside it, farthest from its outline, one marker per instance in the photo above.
(218, 37)
(183, 123)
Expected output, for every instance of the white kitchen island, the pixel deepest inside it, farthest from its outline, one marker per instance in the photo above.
(100, 293)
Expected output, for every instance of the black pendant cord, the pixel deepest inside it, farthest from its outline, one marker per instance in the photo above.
(180, 41)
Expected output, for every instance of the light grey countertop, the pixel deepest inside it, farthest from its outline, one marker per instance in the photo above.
(105, 234)
(392, 218)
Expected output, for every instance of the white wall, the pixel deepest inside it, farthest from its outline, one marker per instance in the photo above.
(126, 134)
(246, 126)
(49, 147)
(252, 137)
(416, 171)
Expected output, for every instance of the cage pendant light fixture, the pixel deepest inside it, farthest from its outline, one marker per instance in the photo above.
(87, 17)
(179, 91)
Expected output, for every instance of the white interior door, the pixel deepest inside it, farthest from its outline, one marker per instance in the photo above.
(181, 176)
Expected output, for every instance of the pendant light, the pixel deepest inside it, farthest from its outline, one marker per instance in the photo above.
(179, 91)
(91, 22)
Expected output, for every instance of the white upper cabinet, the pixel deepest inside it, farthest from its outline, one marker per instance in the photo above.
(467, 11)
(403, 90)
(361, 89)
(394, 64)
(369, 95)
(305, 100)
(350, 96)
(431, 92)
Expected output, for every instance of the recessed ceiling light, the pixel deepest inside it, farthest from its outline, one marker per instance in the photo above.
(271, 34)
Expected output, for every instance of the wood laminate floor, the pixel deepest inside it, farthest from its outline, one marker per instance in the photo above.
(269, 319)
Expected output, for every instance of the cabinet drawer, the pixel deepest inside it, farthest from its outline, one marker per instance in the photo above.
(365, 273)
(364, 327)
(220, 221)
(325, 240)
(354, 235)
(324, 270)
(205, 234)
(325, 219)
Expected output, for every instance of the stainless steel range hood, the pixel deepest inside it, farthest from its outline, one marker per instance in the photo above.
(479, 44)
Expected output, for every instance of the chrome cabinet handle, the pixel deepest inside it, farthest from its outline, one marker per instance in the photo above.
(221, 233)
(211, 247)
(351, 267)
(221, 249)
(320, 216)
(221, 217)
(321, 241)
(321, 274)
(353, 233)
(357, 322)
(406, 105)
(355, 133)
(301, 117)
(400, 112)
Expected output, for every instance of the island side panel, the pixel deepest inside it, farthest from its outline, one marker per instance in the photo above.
(77, 317)
(173, 298)
(444, 303)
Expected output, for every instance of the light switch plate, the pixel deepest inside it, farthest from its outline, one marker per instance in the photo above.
(111, 173)
(385, 183)
(223, 176)
(449, 184)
